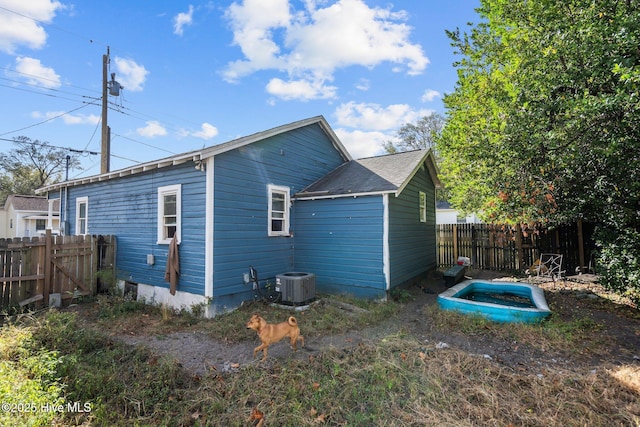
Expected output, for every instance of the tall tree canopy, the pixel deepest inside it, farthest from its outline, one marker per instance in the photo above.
(31, 165)
(544, 122)
(416, 136)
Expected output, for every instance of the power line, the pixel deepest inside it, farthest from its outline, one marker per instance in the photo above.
(56, 94)
(143, 143)
(49, 25)
(37, 77)
(46, 144)
(45, 121)
(40, 92)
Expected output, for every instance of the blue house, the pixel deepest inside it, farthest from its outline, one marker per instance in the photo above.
(286, 199)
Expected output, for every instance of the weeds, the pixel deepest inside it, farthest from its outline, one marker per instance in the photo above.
(398, 381)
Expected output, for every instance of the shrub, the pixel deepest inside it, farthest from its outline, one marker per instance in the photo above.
(619, 261)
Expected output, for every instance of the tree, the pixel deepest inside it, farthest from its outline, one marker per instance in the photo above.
(420, 135)
(32, 165)
(544, 122)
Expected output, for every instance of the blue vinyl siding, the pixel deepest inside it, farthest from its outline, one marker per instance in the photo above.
(340, 240)
(127, 208)
(294, 160)
(412, 244)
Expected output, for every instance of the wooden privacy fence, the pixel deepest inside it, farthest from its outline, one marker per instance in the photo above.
(513, 248)
(31, 269)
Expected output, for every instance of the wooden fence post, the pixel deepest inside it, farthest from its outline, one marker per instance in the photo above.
(519, 253)
(455, 242)
(47, 266)
(580, 246)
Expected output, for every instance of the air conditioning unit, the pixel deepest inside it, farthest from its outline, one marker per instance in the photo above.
(296, 288)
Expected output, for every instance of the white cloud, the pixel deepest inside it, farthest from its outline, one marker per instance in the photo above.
(152, 129)
(253, 23)
(129, 74)
(303, 90)
(363, 144)
(370, 116)
(69, 119)
(181, 20)
(366, 127)
(363, 85)
(18, 30)
(207, 131)
(311, 44)
(429, 95)
(81, 119)
(35, 73)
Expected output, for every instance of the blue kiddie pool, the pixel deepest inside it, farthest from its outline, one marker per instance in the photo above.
(498, 301)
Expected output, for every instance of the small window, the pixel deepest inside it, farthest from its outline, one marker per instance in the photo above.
(278, 210)
(169, 209)
(423, 207)
(82, 216)
(41, 224)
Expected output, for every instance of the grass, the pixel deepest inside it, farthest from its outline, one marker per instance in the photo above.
(115, 314)
(58, 357)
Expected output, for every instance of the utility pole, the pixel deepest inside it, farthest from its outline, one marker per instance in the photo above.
(106, 132)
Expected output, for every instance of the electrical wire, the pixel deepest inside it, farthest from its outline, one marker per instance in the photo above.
(45, 121)
(49, 25)
(142, 143)
(95, 100)
(46, 144)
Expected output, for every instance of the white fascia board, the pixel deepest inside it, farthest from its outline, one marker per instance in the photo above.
(339, 196)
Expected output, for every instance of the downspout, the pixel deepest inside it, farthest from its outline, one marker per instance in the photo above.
(209, 229)
(385, 241)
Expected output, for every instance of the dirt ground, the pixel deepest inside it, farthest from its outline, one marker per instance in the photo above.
(615, 342)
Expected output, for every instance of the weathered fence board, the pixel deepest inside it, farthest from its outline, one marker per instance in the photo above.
(512, 248)
(33, 268)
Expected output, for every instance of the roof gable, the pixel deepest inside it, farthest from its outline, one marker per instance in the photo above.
(382, 174)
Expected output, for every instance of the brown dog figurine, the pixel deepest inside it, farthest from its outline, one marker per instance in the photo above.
(270, 333)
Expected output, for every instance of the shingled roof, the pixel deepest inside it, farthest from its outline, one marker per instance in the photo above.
(30, 203)
(382, 174)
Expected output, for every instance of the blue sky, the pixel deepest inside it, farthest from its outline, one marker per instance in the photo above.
(197, 74)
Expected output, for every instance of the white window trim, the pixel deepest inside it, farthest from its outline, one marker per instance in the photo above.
(422, 206)
(287, 209)
(162, 191)
(79, 201)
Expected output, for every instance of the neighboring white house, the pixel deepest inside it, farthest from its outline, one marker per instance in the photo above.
(29, 216)
(446, 214)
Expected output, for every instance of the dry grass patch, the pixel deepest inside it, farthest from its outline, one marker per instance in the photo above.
(117, 315)
(395, 381)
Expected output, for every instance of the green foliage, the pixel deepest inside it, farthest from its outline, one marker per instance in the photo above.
(31, 165)
(29, 379)
(619, 262)
(543, 124)
(117, 381)
(401, 295)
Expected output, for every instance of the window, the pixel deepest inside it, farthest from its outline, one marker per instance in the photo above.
(278, 210)
(82, 216)
(169, 210)
(41, 224)
(423, 207)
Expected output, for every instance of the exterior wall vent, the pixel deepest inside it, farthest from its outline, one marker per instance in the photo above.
(296, 288)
